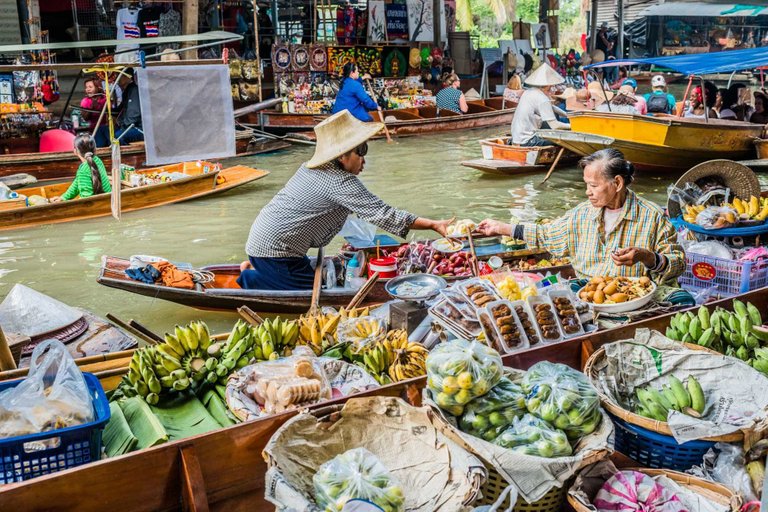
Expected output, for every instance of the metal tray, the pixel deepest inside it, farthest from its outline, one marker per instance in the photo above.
(434, 283)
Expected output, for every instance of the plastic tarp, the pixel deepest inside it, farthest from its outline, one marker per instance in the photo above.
(186, 113)
(700, 63)
(31, 313)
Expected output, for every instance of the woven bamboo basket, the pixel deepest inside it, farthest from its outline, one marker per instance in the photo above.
(710, 490)
(660, 427)
(553, 501)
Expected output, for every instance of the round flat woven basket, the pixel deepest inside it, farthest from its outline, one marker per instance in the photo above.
(709, 490)
(659, 427)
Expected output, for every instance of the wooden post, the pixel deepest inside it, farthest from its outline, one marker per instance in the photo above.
(193, 494)
(256, 44)
(620, 37)
(592, 27)
(189, 15)
(437, 23)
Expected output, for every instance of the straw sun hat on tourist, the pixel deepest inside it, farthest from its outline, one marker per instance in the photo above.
(544, 76)
(340, 134)
(738, 177)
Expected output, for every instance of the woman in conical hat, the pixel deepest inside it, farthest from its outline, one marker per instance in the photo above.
(535, 108)
(312, 207)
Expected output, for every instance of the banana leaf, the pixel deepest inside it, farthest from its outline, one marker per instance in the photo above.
(118, 438)
(142, 422)
(185, 416)
(217, 408)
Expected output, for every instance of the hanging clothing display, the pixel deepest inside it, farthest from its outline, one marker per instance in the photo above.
(346, 29)
(127, 28)
(149, 21)
(170, 25)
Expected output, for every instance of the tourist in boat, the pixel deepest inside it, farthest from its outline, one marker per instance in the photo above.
(312, 207)
(352, 95)
(535, 108)
(129, 121)
(94, 101)
(760, 116)
(735, 103)
(697, 109)
(91, 176)
(450, 96)
(622, 103)
(659, 101)
(629, 85)
(614, 233)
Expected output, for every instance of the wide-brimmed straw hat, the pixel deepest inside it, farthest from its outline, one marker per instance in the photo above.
(340, 134)
(738, 177)
(544, 76)
(568, 92)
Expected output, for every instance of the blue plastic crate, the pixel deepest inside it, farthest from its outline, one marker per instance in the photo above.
(730, 277)
(658, 451)
(72, 446)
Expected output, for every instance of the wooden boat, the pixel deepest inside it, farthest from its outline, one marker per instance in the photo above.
(504, 159)
(64, 164)
(200, 183)
(657, 142)
(409, 121)
(224, 470)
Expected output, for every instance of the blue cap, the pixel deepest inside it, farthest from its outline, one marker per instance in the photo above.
(630, 81)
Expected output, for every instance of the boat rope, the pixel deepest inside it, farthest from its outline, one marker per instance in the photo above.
(201, 276)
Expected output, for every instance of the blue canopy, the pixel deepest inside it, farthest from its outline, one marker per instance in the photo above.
(700, 63)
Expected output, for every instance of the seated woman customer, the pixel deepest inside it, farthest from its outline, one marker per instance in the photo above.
(91, 177)
(614, 233)
(312, 207)
(93, 103)
(450, 96)
(352, 95)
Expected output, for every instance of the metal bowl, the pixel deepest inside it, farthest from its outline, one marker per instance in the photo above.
(431, 287)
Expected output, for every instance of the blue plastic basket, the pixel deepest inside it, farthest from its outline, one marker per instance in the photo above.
(657, 451)
(729, 277)
(21, 459)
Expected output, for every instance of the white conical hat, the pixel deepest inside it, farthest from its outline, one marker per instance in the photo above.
(544, 76)
(31, 313)
(340, 134)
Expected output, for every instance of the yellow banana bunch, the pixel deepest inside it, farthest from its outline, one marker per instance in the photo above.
(318, 331)
(354, 312)
(409, 362)
(691, 212)
(396, 339)
(754, 208)
(367, 327)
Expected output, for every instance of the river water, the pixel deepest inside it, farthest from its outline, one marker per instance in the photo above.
(421, 174)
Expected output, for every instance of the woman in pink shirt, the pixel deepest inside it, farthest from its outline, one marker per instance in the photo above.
(94, 101)
(629, 85)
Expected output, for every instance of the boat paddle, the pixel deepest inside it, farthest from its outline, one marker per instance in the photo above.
(381, 116)
(314, 306)
(554, 164)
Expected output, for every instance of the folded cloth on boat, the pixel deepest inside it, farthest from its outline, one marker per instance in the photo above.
(147, 274)
(170, 275)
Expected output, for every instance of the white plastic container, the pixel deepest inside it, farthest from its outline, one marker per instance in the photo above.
(492, 330)
(536, 300)
(524, 315)
(562, 295)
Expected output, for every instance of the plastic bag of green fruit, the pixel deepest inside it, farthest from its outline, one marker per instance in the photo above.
(486, 416)
(563, 397)
(459, 371)
(533, 436)
(356, 474)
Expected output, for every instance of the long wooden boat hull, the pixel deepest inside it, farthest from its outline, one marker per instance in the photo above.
(224, 470)
(132, 199)
(660, 143)
(502, 167)
(64, 164)
(408, 121)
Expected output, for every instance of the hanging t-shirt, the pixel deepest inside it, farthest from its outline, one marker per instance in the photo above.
(149, 21)
(170, 25)
(127, 28)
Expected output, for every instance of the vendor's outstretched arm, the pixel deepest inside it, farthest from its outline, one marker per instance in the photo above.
(438, 226)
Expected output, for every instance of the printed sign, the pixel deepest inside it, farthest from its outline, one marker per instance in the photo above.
(397, 21)
(704, 271)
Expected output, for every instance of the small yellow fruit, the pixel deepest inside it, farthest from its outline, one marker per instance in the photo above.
(465, 380)
(450, 386)
(463, 397)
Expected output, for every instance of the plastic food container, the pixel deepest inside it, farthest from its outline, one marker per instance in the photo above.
(481, 289)
(490, 315)
(542, 300)
(528, 321)
(461, 303)
(386, 267)
(453, 320)
(562, 300)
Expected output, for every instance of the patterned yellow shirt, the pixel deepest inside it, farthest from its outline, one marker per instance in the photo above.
(580, 234)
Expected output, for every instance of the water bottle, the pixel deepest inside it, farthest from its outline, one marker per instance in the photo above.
(352, 270)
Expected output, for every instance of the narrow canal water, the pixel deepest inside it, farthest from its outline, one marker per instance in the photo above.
(421, 174)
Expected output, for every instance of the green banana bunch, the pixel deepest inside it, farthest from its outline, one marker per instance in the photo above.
(375, 361)
(688, 399)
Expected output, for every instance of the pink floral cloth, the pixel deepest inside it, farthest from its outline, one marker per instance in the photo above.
(629, 491)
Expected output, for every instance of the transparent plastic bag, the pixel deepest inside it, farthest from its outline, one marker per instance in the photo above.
(717, 217)
(361, 332)
(356, 474)
(359, 229)
(486, 416)
(460, 370)
(53, 395)
(284, 383)
(562, 396)
(725, 464)
(533, 436)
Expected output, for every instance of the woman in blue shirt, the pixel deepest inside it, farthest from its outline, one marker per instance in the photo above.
(352, 95)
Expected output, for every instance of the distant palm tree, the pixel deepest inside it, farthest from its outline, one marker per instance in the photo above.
(500, 9)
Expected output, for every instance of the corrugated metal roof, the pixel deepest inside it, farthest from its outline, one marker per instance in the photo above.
(705, 9)
(606, 11)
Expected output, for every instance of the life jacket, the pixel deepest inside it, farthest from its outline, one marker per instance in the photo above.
(658, 103)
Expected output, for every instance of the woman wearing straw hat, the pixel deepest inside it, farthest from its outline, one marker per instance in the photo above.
(312, 207)
(535, 108)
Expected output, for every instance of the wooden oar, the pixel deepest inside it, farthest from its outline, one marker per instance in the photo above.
(250, 316)
(554, 164)
(123, 325)
(363, 292)
(315, 303)
(381, 116)
(136, 325)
